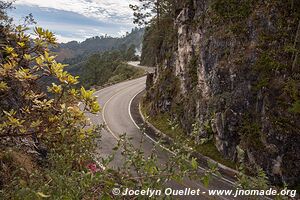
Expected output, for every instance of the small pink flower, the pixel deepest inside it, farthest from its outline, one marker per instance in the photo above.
(93, 167)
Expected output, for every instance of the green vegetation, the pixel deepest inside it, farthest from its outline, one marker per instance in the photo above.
(74, 52)
(233, 10)
(249, 54)
(158, 43)
(295, 107)
(234, 14)
(278, 55)
(267, 63)
(162, 123)
(107, 67)
(102, 60)
(192, 73)
(251, 135)
(125, 72)
(52, 124)
(159, 32)
(260, 181)
(47, 144)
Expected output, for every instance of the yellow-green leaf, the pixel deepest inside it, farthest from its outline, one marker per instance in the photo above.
(95, 107)
(27, 57)
(3, 86)
(9, 50)
(42, 195)
(57, 89)
(194, 163)
(21, 44)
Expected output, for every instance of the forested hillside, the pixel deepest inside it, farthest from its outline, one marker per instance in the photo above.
(74, 51)
(106, 67)
(102, 60)
(227, 73)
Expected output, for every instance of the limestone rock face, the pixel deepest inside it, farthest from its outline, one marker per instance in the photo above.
(223, 73)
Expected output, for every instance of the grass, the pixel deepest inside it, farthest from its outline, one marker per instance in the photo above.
(125, 72)
(161, 122)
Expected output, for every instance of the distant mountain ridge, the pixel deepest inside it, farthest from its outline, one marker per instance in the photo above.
(72, 51)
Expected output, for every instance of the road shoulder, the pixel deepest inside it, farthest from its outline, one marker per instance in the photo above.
(157, 135)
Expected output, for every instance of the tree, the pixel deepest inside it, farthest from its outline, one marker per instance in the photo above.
(130, 53)
(4, 19)
(27, 110)
(51, 124)
(54, 121)
(147, 10)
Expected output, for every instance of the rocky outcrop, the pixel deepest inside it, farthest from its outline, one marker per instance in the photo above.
(231, 69)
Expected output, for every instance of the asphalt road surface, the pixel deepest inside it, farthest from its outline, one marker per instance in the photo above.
(115, 103)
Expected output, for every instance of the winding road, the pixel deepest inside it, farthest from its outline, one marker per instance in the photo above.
(115, 101)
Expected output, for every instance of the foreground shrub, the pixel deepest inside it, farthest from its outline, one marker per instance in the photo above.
(47, 143)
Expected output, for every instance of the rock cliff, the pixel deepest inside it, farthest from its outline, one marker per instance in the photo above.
(232, 68)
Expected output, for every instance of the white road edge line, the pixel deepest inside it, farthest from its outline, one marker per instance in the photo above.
(98, 91)
(114, 135)
(103, 116)
(104, 107)
(117, 138)
(154, 141)
(167, 149)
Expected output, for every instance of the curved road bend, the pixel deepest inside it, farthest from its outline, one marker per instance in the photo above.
(115, 101)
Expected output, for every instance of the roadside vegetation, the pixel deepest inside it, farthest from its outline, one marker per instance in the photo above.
(107, 68)
(257, 110)
(188, 94)
(46, 141)
(171, 128)
(100, 61)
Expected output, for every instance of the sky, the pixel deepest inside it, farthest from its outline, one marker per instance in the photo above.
(78, 19)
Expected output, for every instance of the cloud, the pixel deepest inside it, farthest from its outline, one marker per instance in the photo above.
(65, 39)
(69, 25)
(113, 11)
(122, 32)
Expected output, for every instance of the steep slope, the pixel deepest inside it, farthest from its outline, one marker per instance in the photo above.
(232, 69)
